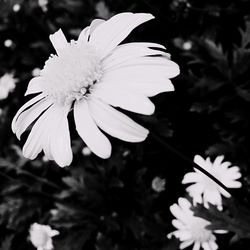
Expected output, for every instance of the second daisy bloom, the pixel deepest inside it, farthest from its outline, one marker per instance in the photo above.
(204, 190)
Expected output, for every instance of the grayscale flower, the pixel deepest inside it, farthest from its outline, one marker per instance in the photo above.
(41, 236)
(204, 190)
(92, 76)
(192, 229)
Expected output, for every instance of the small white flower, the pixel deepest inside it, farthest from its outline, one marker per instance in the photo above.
(86, 151)
(41, 236)
(8, 43)
(43, 4)
(7, 85)
(92, 76)
(187, 45)
(16, 7)
(204, 190)
(102, 10)
(192, 229)
(36, 72)
(158, 184)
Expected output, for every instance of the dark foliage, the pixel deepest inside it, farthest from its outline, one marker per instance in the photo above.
(109, 204)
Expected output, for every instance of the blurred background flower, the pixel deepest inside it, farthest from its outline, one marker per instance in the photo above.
(7, 85)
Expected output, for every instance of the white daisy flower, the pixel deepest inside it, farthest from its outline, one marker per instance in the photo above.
(192, 229)
(7, 85)
(43, 4)
(8, 43)
(41, 236)
(86, 151)
(158, 184)
(92, 76)
(204, 190)
(16, 7)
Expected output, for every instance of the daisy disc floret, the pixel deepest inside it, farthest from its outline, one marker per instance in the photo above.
(41, 236)
(204, 190)
(192, 230)
(92, 76)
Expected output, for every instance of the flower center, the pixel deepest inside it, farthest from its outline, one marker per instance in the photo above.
(69, 76)
(199, 231)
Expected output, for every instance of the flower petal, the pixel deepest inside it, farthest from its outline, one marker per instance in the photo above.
(120, 96)
(90, 134)
(186, 243)
(34, 86)
(28, 116)
(33, 144)
(24, 107)
(115, 123)
(58, 41)
(144, 68)
(128, 51)
(191, 178)
(200, 161)
(60, 138)
(51, 131)
(84, 35)
(110, 33)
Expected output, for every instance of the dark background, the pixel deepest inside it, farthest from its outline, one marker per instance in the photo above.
(110, 204)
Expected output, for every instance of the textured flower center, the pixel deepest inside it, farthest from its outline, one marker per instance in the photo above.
(69, 76)
(199, 231)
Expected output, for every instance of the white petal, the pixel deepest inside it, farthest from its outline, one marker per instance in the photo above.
(120, 96)
(60, 138)
(185, 205)
(205, 246)
(34, 86)
(115, 123)
(234, 184)
(183, 235)
(126, 52)
(178, 224)
(147, 61)
(94, 24)
(33, 144)
(191, 178)
(142, 85)
(217, 162)
(110, 33)
(196, 245)
(186, 244)
(195, 189)
(149, 70)
(53, 233)
(87, 129)
(29, 115)
(24, 107)
(200, 161)
(178, 213)
(59, 41)
(213, 245)
(84, 35)
(51, 131)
